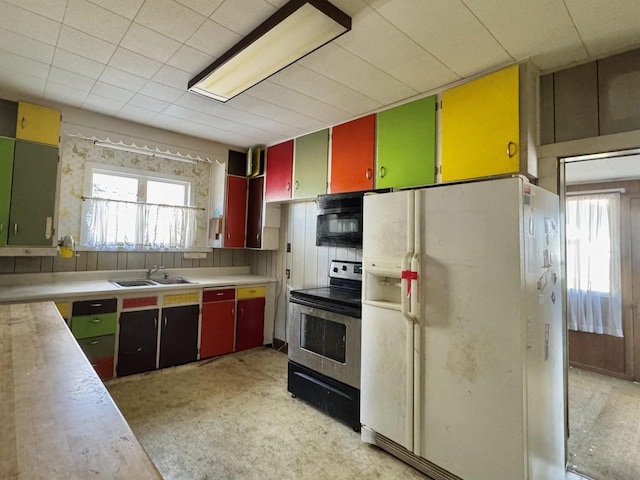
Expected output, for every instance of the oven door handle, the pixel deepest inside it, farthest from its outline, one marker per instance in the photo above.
(339, 309)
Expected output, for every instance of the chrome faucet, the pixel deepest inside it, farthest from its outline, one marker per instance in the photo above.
(152, 270)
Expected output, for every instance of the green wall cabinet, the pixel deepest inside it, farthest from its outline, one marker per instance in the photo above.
(6, 171)
(310, 164)
(33, 194)
(406, 144)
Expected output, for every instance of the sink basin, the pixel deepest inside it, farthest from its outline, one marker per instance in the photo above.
(133, 283)
(172, 280)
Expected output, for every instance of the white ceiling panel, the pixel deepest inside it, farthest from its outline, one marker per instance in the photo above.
(125, 8)
(393, 51)
(203, 7)
(149, 43)
(94, 20)
(25, 46)
(29, 24)
(77, 64)
(116, 77)
(85, 45)
(606, 26)
(134, 58)
(169, 18)
(449, 31)
(601, 170)
(135, 63)
(64, 77)
(53, 9)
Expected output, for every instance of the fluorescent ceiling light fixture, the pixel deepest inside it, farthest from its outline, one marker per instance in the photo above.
(144, 151)
(297, 29)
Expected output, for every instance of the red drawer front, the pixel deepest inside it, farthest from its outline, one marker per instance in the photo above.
(139, 302)
(103, 367)
(218, 295)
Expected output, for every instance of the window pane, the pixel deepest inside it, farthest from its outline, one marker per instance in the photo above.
(166, 193)
(115, 187)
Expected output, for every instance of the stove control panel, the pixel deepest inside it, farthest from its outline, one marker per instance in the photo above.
(346, 270)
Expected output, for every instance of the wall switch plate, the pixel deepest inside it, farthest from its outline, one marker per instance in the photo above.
(194, 255)
(288, 248)
(288, 273)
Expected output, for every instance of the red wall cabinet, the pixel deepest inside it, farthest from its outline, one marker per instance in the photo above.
(218, 322)
(352, 155)
(250, 323)
(279, 172)
(236, 211)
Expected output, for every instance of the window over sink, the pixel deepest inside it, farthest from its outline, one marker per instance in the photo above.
(136, 209)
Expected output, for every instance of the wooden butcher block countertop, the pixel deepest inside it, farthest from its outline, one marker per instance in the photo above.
(57, 420)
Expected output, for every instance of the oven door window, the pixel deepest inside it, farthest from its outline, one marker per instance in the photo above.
(323, 337)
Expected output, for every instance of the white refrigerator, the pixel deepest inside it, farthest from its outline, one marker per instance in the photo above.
(462, 345)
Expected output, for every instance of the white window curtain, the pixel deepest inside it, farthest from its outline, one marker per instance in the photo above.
(136, 226)
(594, 301)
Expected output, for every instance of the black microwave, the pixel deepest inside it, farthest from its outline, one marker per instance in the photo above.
(339, 221)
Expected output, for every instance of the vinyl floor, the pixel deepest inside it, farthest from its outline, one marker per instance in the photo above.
(604, 426)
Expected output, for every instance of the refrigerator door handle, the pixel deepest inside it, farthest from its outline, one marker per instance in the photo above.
(405, 305)
(415, 258)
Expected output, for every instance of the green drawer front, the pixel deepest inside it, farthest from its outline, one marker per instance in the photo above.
(86, 326)
(98, 347)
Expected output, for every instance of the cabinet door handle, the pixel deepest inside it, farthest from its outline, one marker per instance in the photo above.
(1, 227)
(383, 172)
(95, 305)
(233, 312)
(219, 293)
(241, 312)
(95, 342)
(139, 349)
(15, 229)
(511, 151)
(95, 320)
(155, 323)
(288, 187)
(297, 184)
(165, 322)
(368, 174)
(23, 122)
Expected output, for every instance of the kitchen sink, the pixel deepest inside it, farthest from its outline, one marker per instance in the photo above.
(172, 280)
(133, 283)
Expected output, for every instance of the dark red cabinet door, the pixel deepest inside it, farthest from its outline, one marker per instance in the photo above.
(279, 172)
(137, 342)
(235, 223)
(216, 336)
(254, 213)
(250, 323)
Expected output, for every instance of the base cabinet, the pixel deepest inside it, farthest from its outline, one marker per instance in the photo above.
(218, 322)
(250, 323)
(138, 342)
(179, 335)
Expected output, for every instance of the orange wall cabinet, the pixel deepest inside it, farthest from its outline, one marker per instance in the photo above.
(352, 155)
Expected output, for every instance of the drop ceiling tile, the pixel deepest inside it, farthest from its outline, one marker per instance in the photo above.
(298, 102)
(173, 77)
(85, 45)
(353, 8)
(169, 18)
(265, 109)
(21, 84)
(135, 63)
(126, 8)
(77, 64)
(53, 9)
(29, 24)
(242, 16)
(350, 70)
(25, 46)
(64, 94)
(203, 7)
(560, 57)
(105, 90)
(135, 114)
(103, 105)
(213, 39)
(605, 26)
(122, 79)
(148, 103)
(548, 27)
(190, 60)
(353, 102)
(450, 32)
(383, 45)
(148, 43)
(23, 65)
(71, 79)
(97, 21)
(161, 92)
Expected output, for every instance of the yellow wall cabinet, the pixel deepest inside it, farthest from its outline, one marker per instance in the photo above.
(38, 124)
(487, 128)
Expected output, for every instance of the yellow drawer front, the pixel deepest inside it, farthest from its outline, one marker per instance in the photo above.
(252, 292)
(181, 298)
(64, 308)
(38, 124)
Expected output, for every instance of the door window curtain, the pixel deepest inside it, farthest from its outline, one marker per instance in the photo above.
(594, 301)
(136, 226)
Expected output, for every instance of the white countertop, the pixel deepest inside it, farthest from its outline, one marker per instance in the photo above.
(16, 288)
